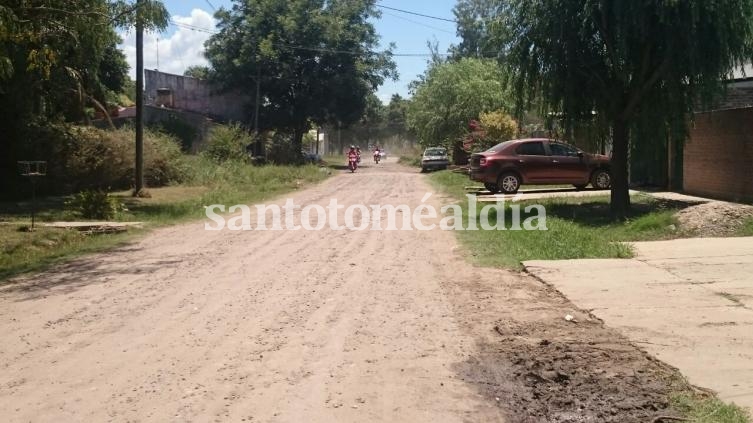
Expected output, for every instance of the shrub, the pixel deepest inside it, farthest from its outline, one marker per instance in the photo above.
(491, 129)
(227, 142)
(95, 204)
(499, 126)
(178, 128)
(84, 158)
(280, 149)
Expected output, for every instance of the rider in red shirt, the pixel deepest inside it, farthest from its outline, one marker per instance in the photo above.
(352, 154)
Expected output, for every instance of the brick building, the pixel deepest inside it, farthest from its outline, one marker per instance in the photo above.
(717, 159)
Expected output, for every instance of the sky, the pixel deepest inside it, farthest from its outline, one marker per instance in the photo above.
(179, 47)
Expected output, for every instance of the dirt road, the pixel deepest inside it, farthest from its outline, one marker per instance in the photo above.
(315, 326)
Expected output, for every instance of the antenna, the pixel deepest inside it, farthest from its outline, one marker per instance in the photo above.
(158, 52)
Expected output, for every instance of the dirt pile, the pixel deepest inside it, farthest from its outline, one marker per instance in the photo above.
(714, 219)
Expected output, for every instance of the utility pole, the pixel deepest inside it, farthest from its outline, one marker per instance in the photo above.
(139, 182)
(259, 142)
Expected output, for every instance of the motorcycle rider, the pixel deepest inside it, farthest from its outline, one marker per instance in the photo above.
(352, 154)
(377, 154)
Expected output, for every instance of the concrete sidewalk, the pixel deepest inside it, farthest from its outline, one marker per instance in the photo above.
(688, 302)
(543, 193)
(549, 193)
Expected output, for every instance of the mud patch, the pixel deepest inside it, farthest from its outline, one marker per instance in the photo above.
(540, 367)
(578, 380)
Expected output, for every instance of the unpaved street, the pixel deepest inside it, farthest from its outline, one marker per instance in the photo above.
(314, 326)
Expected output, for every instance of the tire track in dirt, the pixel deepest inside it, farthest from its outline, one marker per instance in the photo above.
(289, 326)
(275, 326)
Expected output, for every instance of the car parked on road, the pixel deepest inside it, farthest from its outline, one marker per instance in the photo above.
(434, 158)
(538, 161)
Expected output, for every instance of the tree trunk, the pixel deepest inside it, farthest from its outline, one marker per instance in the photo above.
(620, 199)
(297, 146)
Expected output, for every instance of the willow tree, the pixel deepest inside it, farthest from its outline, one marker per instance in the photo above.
(647, 61)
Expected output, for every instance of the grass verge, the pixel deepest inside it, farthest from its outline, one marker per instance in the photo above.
(707, 409)
(582, 228)
(210, 183)
(577, 228)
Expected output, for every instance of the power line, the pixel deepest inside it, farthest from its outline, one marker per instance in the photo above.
(417, 14)
(211, 5)
(418, 23)
(192, 27)
(316, 49)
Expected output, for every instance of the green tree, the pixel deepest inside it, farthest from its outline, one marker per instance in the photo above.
(371, 127)
(197, 71)
(450, 95)
(113, 69)
(632, 62)
(473, 20)
(314, 60)
(397, 110)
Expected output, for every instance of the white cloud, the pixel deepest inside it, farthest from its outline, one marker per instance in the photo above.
(173, 54)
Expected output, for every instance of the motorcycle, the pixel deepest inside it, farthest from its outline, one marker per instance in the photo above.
(352, 164)
(377, 156)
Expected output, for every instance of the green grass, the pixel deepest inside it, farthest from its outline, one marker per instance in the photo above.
(747, 229)
(708, 410)
(230, 183)
(577, 228)
(22, 251)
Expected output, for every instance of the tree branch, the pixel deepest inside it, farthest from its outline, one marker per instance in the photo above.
(638, 94)
(111, 19)
(63, 11)
(602, 25)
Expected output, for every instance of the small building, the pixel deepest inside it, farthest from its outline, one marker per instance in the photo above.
(187, 107)
(195, 95)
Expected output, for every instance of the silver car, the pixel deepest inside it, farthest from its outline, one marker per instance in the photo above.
(434, 158)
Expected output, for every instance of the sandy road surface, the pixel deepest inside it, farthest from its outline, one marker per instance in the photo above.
(290, 326)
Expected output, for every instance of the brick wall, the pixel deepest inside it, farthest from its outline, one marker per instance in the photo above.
(718, 156)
